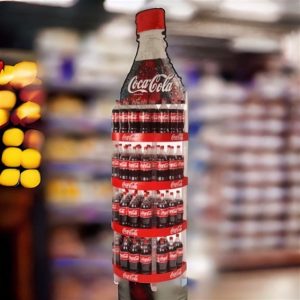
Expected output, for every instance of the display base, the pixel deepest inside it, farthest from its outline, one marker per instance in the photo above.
(153, 278)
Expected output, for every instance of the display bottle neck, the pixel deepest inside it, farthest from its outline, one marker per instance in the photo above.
(152, 45)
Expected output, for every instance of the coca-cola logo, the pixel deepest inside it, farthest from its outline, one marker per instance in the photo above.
(176, 184)
(162, 258)
(123, 164)
(123, 210)
(134, 258)
(130, 231)
(115, 206)
(145, 259)
(162, 212)
(180, 208)
(146, 213)
(176, 273)
(173, 211)
(124, 255)
(131, 277)
(173, 164)
(134, 165)
(129, 185)
(115, 162)
(177, 137)
(129, 137)
(163, 166)
(133, 212)
(172, 255)
(159, 83)
(145, 165)
(176, 229)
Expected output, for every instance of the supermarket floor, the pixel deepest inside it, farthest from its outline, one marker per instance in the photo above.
(276, 284)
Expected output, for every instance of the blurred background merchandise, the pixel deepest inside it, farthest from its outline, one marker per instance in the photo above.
(240, 62)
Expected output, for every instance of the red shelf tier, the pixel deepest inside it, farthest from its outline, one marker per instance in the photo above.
(150, 137)
(148, 232)
(150, 278)
(149, 185)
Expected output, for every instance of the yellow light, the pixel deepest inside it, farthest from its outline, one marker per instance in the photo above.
(9, 177)
(30, 178)
(29, 110)
(31, 159)
(25, 73)
(6, 75)
(7, 99)
(4, 117)
(13, 137)
(11, 157)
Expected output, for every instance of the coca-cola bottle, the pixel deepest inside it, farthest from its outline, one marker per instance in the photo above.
(179, 202)
(162, 256)
(145, 119)
(123, 209)
(117, 196)
(152, 78)
(133, 119)
(180, 163)
(153, 157)
(146, 213)
(134, 256)
(162, 172)
(173, 163)
(173, 113)
(172, 210)
(123, 118)
(133, 212)
(172, 255)
(134, 164)
(115, 117)
(163, 119)
(123, 164)
(180, 118)
(124, 254)
(179, 251)
(145, 165)
(146, 257)
(154, 118)
(115, 162)
(156, 199)
(162, 212)
(116, 250)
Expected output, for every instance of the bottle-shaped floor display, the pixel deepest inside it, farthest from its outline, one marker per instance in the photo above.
(149, 132)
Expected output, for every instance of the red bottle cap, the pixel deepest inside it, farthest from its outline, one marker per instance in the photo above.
(150, 19)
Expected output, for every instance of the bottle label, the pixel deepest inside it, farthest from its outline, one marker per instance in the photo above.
(162, 258)
(116, 250)
(173, 117)
(145, 166)
(123, 116)
(173, 164)
(123, 164)
(115, 117)
(123, 211)
(133, 212)
(163, 117)
(145, 259)
(173, 255)
(180, 208)
(172, 211)
(134, 165)
(146, 213)
(162, 212)
(115, 162)
(115, 206)
(145, 117)
(180, 164)
(124, 255)
(159, 83)
(179, 251)
(155, 117)
(163, 165)
(133, 116)
(154, 165)
(134, 258)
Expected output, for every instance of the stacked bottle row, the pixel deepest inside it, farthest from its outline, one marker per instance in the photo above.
(148, 118)
(150, 163)
(141, 256)
(147, 209)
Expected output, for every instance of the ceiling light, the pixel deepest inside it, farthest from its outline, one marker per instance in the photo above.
(121, 6)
